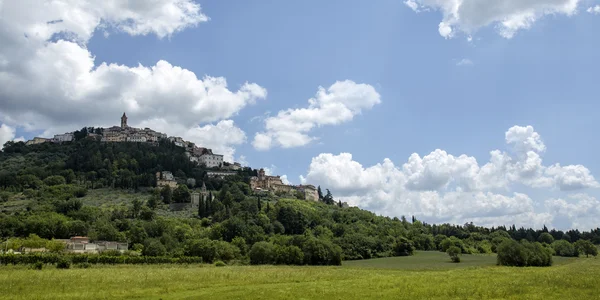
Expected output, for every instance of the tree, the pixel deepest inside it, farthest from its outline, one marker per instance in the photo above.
(320, 193)
(167, 194)
(54, 180)
(154, 247)
(202, 207)
(454, 253)
(181, 194)
(259, 204)
(523, 254)
(586, 247)
(154, 199)
(262, 253)
(136, 207)
(545, 237)
(403, 247)
(564, 248)
(328, 199)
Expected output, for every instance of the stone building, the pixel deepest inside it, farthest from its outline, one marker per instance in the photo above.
(124, 121)
(270, 183)
(165, 178)
(61, 138)
(310, 192)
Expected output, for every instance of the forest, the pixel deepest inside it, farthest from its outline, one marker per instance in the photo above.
(233, 224)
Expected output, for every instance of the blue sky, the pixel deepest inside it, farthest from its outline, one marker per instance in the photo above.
(543, 74)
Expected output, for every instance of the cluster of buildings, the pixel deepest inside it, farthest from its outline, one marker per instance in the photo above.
(199, 155)
(125, 133)
(263, 182)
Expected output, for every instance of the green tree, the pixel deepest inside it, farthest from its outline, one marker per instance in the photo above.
(320, 193)
(136, 207)
(262, 253)
(167, 194)
(454, 253)
(328, 199)
(54, 180)
(564, 248)
(403, 247)
(181, 194)
(153, 247)
(586, 247)
(545, 237)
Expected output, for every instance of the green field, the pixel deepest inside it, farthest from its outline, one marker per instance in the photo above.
(423, 276)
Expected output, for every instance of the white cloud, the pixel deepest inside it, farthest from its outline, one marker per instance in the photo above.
(464, 62)
(50, 61)
(222, 137)
(7, 133)
(576, 211)
(412, 4)
(440, 187)
(508, 16)
(594, 10)
(285, 180)
(332, 106)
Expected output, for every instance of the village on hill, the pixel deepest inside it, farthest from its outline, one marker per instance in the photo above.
(196, 154)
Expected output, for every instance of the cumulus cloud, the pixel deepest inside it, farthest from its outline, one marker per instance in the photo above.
(332, 106)
(508, 16)
(440, 187)
(6, 134)
(594, 10)
(45, 61)
(576, 211)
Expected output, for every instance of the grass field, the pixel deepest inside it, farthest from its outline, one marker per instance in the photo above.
(398, 278)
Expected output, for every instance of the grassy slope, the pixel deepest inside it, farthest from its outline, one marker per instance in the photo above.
(572, 279)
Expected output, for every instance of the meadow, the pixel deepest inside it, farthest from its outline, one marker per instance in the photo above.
(426, 275)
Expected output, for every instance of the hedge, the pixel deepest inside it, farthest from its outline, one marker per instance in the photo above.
(53, 258)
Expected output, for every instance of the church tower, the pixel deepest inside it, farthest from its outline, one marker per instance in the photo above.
(124, 121)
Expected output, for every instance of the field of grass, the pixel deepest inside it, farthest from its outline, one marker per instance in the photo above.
(570, 279)
(433, 260)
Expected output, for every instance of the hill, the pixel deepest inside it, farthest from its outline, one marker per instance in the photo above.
(107, 191)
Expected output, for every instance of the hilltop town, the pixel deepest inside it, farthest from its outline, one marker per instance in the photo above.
(196, 154)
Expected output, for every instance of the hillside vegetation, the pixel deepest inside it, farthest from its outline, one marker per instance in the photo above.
(106, 191)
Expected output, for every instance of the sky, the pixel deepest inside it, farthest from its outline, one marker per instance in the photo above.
(449, 110)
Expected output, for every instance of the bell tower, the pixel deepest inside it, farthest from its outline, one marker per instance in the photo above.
(124, 121)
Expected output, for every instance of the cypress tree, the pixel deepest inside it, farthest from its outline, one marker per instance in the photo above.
(201, 208)
(209, 211)
(259, 205)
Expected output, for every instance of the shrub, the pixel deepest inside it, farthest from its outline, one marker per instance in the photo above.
(220, 263)
(262, 253)
(289, 255)
(403, 247)
(4, 196)
(513, 253)
(454, 253)
(564, 248)
(63, 263)
(38, 265)
(452, 241)
(84, 265)
(154, 247)
(54, 180)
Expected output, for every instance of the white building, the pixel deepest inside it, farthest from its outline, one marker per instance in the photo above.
(137, 138)
(60, 138)
(211, 160)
